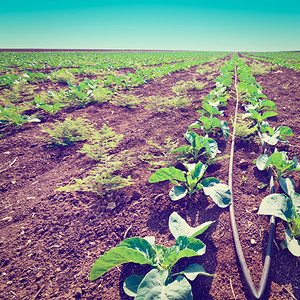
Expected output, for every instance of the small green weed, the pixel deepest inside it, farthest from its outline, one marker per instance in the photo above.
(68, 132)
(182, 87)
(244, 129)
(126, 100)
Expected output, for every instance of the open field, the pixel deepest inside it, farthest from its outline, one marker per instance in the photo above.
(49, 239)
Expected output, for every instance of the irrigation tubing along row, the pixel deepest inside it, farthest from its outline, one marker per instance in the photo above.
(237, 242)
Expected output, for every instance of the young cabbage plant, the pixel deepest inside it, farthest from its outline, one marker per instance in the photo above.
(272, 136)
(257, 117)
(260, 105)
(160, 282)
(209, 125)
(215, 102)
(255, 91)
(11, 116)
(199, 146)
(51, 109)
(287, 207)
(80, 93)
(219, 192)
(210, 111)
(279, 163)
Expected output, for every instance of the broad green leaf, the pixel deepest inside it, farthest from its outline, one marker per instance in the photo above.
(219, 192)
(181, 149)
(154, 287)
(139, 244)
(192, 271)
(278, 205)
(177, 193)
(261, 162)
(179, 227)
(131, 284)
(284, 130)
(271, 140)
(213, 147)
(225, 129)
(190, 243)
(295, 197)
(167, 174)
(135, 250)
(199, 170)
(292, 243)
(269, 114)
(296, 227)
(287, 184)
(185, 247)
(267, 103)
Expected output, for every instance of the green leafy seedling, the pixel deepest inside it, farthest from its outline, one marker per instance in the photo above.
(272, 136)
(258, 118)
(159, 283)
(210, 110)
(199, 146)
(209, 125)
(220, 193)
(279, 163)
(287, 207)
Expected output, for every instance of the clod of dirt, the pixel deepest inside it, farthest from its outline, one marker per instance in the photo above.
(78, 293)
(39, 275)
(243, 163)
(111, 205)
(253, 242)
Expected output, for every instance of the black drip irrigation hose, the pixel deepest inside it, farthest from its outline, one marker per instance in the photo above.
(238, 247)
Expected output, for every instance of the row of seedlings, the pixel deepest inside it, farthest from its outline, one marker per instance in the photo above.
(160, 282)
(258, 109)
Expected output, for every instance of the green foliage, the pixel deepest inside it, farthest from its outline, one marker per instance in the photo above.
(257, 117)
(165, 157)
(35, 77)
(244, 129)
(13, 116)
(287, 207)
(53, 97)
(19, 92)
(68, 132)
(208, 146)
(220, 193)
(100, 143)
(204, 69)
(210, 125)
(161, 104)
(126, 100)
(279, 163)
(272, 136)
(101, 94)
(182, 87)
(210, 110)
(7, 80)
(62, 76)
(157, 283)
(103, 178)
(51, 109)
(259, 68)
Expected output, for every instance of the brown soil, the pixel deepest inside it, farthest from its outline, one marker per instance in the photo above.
(49, 240)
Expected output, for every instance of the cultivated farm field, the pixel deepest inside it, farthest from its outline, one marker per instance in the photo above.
(82, 133)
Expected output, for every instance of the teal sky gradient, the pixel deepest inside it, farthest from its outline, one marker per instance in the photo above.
(167, 25)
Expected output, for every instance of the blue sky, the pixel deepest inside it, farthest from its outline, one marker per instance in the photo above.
(170, 25)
